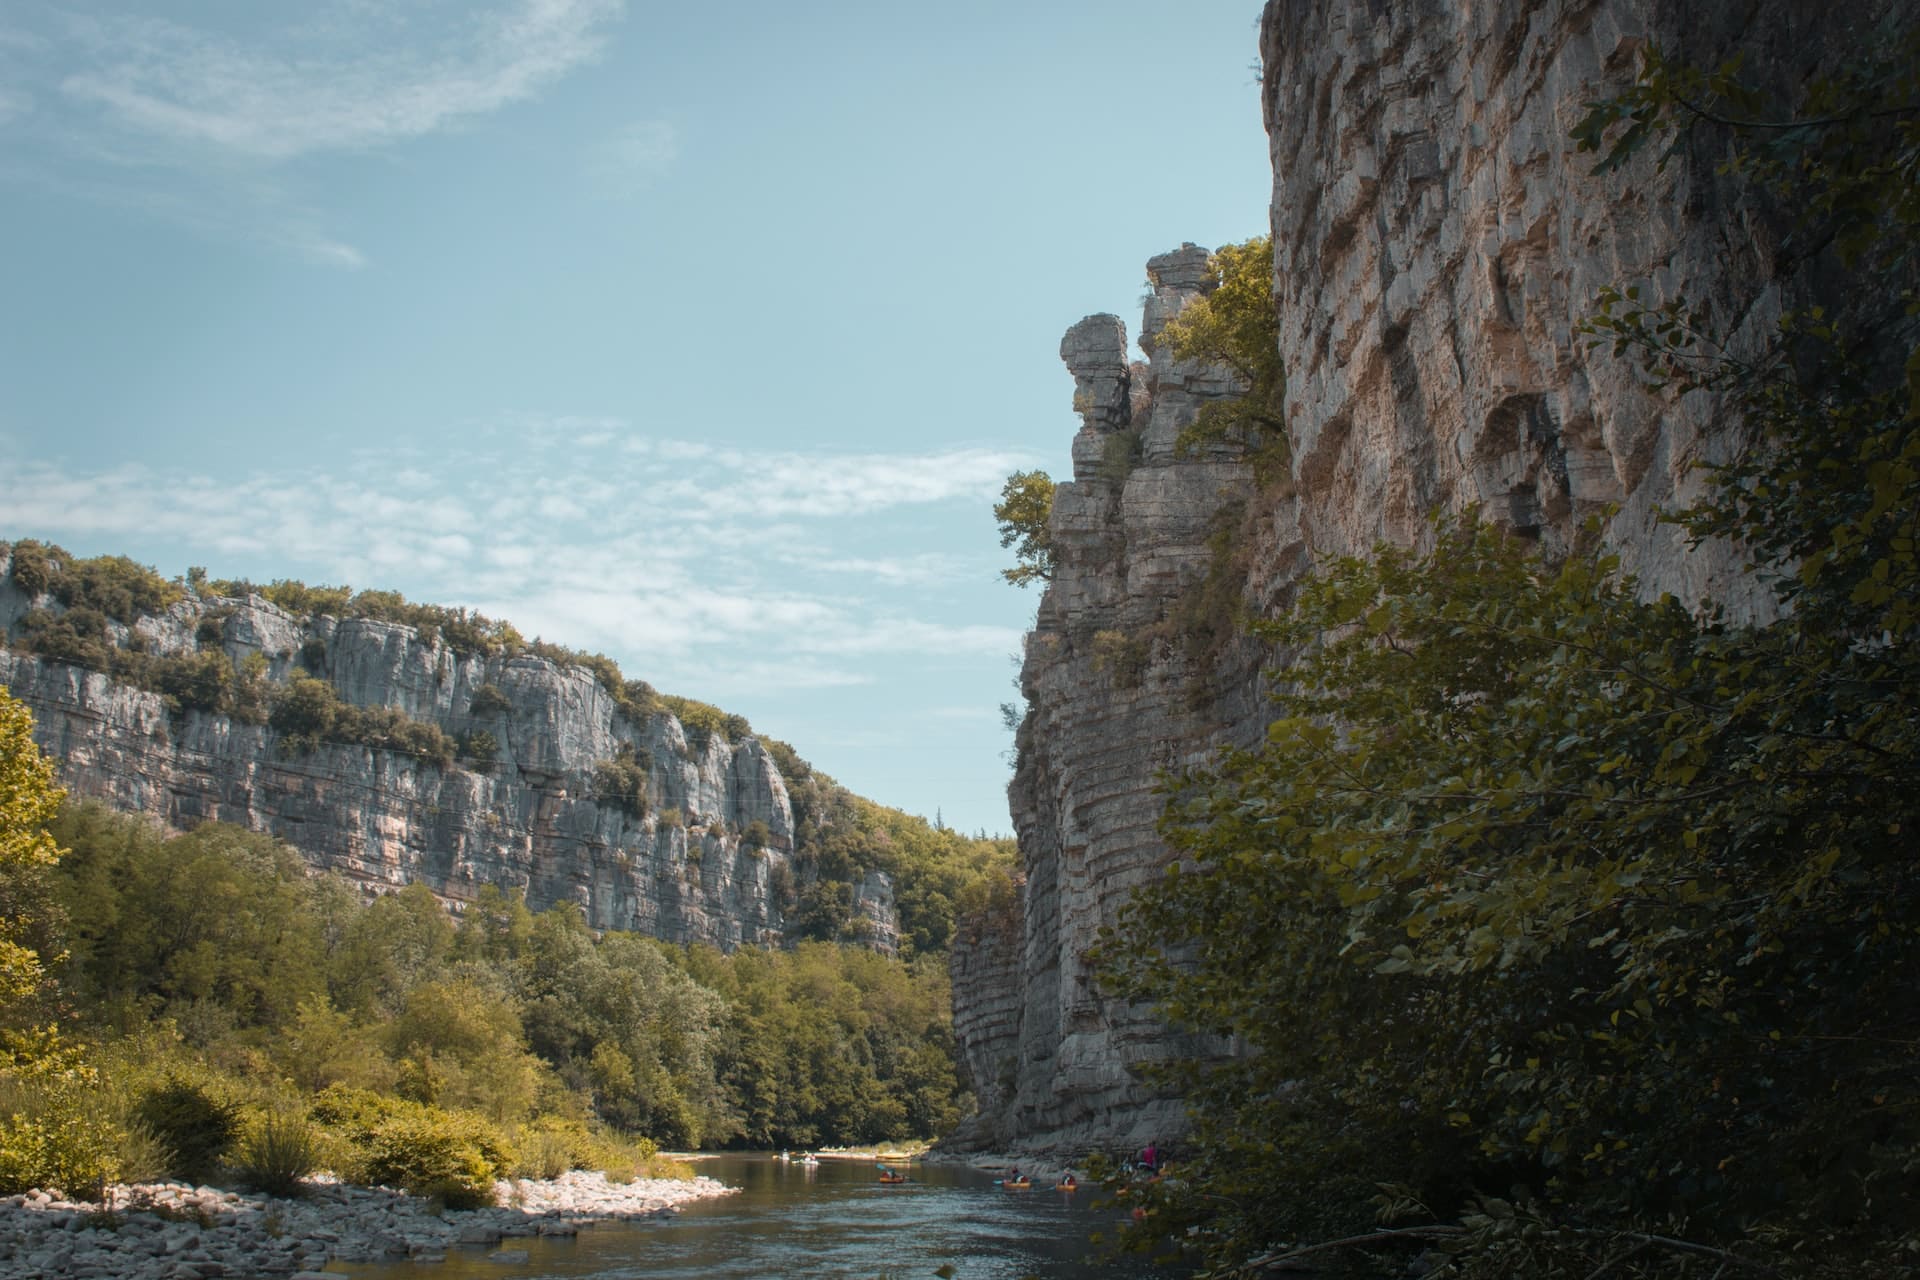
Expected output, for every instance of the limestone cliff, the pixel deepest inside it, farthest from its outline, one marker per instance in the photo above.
(1437, 239)
(1122, 682)
(685, 861)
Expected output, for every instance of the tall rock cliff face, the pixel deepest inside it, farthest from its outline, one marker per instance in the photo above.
(1122, 682)
(685, 870)
(1437, 240)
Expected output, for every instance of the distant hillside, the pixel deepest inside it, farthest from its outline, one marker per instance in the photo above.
(398, 742)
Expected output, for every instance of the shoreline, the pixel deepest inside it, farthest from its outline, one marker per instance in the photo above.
(174, 1231)
(1041, 1167)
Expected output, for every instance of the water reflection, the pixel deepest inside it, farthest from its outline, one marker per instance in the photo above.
(836, 1219)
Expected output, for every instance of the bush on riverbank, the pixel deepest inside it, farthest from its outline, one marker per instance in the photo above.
(450, 1156)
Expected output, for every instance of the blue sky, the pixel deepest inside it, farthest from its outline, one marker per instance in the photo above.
(701, 335)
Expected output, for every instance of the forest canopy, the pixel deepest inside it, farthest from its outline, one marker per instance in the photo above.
(212, 972)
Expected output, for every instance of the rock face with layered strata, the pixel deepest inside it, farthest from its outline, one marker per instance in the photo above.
(1437, 240)
(682, 871)
(1120, 686)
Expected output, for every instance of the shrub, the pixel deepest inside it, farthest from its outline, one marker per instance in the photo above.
(444, 1155)
(195, 682)
(479, 746)
(622, 780)
(703, 721)
(450, 1156)
(303, 601)
(197, 1125)
(114, 585)
(543, 1154)
(32, 569)
(308, 711)
(787, 760)
(307, 707)
(1119, 453)
(279, 1150)
(1124, 658)
(56, 1136)
(487, 701)
(59, 1129)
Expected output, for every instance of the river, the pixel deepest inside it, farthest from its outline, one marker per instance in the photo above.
(833, 1220)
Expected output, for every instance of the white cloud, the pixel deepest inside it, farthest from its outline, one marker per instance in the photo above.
(918, 570)
(198, 126)
(916, 635)
(821, 486)
(608, 561)
(635, 157)
(965, 715)
(338, 85)
(327, 253)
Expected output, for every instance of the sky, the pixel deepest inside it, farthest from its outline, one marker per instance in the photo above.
(702, 335)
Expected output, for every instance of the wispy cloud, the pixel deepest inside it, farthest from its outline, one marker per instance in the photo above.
(924, 569)
(634, 158)
(205, 128)
(776, 485)
(623, 560)
(331, 86)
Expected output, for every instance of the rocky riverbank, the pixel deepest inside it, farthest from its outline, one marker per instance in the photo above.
(170, 1231)
(1045, 1169)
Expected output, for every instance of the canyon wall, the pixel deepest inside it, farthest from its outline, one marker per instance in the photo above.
(1122, 682)
(691, 867)
(1437, 241)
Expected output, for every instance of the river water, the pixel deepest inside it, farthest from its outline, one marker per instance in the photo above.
(833, 1220)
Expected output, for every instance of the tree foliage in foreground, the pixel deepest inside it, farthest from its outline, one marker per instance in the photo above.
(28, 801)
(1570, 932)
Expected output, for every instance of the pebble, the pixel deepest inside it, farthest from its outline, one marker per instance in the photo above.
(156, 1231)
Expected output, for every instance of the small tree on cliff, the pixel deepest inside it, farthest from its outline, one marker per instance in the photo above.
(1024, 510)
(1237, 325)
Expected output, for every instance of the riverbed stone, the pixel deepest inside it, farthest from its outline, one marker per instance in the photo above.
(44, 1238)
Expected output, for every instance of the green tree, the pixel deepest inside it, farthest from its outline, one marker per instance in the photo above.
(29, 800)
(386, 948)
(465, 1037)
(217, 928)
(1024, 511)
(1236, 324)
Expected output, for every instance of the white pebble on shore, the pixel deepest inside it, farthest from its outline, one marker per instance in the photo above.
(45, 1238)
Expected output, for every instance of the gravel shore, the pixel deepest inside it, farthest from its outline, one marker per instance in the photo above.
(171, 1231)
